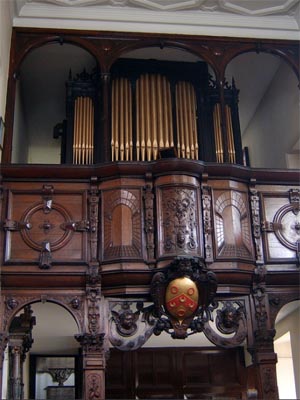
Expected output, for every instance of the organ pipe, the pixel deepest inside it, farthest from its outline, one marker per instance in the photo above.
(218, 133)
(83, 144)
(230, 138)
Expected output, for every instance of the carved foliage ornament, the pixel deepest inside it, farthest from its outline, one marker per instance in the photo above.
(179, 221)
(181, 292)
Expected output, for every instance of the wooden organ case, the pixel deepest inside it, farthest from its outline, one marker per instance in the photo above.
(158, 109)
(130, 203)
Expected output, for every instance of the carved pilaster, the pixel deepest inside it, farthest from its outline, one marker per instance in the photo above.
(207, 220)
(93, 201)
(256, 222)
(149, 217)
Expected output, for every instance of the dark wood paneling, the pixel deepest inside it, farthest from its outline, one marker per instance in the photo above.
(176, 373)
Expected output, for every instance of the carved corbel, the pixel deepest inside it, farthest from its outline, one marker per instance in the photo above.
(231, 321)
(91, 342)
(129, 328)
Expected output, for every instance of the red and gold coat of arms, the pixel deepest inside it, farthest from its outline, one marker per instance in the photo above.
(182, 298)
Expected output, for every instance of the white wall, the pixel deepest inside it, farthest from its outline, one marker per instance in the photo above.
(291, 323)
(274, 128)
(5, 35)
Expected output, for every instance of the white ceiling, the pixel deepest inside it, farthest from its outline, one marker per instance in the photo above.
(245, 18)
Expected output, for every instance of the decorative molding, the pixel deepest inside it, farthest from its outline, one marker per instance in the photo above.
(210, 20)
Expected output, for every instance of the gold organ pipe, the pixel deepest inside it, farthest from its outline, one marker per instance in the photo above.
(148, 120)
(230, 139)
(143, 115)
(75, 130)
(130, 120)
(154, 115)
(117, 110)
(121, 116)
(191, 127)
(165, 112)
(194, 116)
(181, 121)
(138, 119)
(160, 111)
(185, 120)
(218, 133)
(84, 130)
(170, 115)
(177, 104)
(113, 120)
(80, 131)
(125, 100)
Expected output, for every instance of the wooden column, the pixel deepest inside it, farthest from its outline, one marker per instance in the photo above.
(15, 383)
(93, 365)
(3, 344)
(262, 347)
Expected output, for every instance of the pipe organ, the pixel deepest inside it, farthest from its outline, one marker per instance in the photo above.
(154, 106)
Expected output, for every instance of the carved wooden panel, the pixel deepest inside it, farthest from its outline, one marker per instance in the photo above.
(281, 225)
(232, 226)
(46, 226)
(176, 373)
(122, 224)
(178, 221)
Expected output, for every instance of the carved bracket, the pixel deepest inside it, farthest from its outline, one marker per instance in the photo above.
(129, 329)
(10, 225)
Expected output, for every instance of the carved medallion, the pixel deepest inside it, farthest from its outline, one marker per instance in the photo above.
(46, 227)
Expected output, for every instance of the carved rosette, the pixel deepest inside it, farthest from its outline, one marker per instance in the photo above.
(179, 216)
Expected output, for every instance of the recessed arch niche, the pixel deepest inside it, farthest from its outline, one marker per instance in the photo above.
(268, 109)
(53, 349)
(40, 101)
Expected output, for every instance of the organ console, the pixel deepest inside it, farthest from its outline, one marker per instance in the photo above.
(154, 106)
